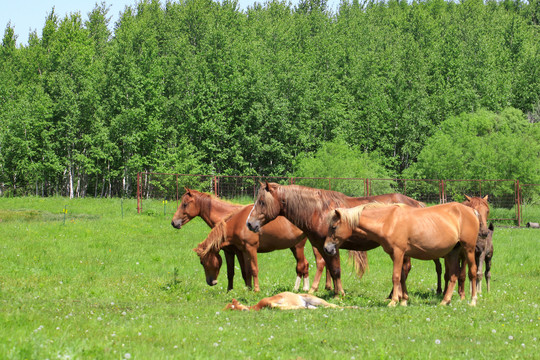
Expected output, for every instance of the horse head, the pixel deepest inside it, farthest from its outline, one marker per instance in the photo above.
(481, 205)
(187, 210)
(211, 262)
(267, 207)
(338, 231)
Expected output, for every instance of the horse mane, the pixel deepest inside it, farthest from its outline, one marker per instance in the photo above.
(475, 201)
(302, 202)
(205, 201)
(351, 216)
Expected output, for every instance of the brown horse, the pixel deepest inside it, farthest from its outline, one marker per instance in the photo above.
(481, 207)
(278, 235)
(308, 209)
(213, 210)
(484, 253)
(284, 301)
(421, 233)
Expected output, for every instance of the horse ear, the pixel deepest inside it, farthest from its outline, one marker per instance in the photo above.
(337, 214)
(486, 197)
(491, 226)
(197, 250)
(188, 191)
(266, 186)
(468, 198)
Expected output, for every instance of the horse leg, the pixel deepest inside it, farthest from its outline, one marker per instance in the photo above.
(319, 262)
(438, 269)
(470, 250)
(328, 283)
(301, 265)
(407, 265)
(462, 276)
(398, 259)
(488, 272)
(247, 266)
(253, 266)
(451, 263)
(479, 274)
(229, 259)
(333, 265)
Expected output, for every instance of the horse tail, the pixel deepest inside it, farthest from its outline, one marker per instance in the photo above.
(360, 262)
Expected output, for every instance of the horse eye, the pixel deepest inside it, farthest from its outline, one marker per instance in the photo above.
(184, 205)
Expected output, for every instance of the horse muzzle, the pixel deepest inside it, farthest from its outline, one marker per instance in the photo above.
(255, 227)
(177, 224)
(211, 282)
(330, 249)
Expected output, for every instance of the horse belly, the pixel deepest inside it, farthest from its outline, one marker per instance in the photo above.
(430, 248)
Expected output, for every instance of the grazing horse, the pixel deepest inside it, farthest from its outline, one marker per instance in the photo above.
(421, 233)
(308, 209)
(278, 235)
(284, 301)
(213, 210)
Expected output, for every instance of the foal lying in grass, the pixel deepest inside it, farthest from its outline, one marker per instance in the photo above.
(284, 301)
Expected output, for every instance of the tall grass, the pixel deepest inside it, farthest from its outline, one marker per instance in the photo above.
(112, 287)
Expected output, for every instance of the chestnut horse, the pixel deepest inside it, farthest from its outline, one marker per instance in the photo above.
(213, 210)
(277, 235)
(422, 233)
(308, 209)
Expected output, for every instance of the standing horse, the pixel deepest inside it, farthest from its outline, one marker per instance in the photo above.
(484, 253)
(278, 235)
(308, 209)
(213, 210)
(425, 233)
(481, 207)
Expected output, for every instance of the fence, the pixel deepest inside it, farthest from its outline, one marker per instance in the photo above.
(505, 196)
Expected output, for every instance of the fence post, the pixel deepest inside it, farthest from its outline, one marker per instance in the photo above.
(518, 200)
(139, 204)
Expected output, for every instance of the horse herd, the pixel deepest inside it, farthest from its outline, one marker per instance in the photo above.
(286, 216)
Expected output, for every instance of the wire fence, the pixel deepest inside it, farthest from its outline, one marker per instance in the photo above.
(510, 201)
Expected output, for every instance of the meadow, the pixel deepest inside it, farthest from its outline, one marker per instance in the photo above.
(91, 278)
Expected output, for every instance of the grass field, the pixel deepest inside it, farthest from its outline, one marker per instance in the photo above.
(112, 284)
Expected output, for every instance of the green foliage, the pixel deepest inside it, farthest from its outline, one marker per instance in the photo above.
(201, 86)
(338, 160)
(482, 145)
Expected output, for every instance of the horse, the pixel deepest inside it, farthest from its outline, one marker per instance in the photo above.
(277, 235)
(481, 207)
(284, 301)
(421, 233)
(307, 208)
(213, 210)
(484, 253)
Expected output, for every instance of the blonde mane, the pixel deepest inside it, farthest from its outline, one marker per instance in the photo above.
(351, 216)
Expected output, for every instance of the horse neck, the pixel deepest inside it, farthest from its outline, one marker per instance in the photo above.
(214, 210)
(371, 224)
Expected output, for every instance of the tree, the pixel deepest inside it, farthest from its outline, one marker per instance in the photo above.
(482, 145)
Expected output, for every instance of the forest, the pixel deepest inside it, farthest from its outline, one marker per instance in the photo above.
(424, 89)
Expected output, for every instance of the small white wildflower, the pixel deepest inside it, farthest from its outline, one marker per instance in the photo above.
(510, 337)
(437, 341)
(220, 328)
(216, 344)
(494, 331)
(127, 356)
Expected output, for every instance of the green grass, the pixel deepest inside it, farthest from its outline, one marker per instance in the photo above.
(104, 285)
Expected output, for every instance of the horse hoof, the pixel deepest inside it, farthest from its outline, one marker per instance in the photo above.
(444, 303)
(392, 303)
(311, 291)
(403, 303)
